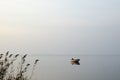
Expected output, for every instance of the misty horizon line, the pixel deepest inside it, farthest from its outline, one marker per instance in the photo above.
(73, 55)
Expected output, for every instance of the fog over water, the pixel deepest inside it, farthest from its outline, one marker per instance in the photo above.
(60, 27)
(90, 68)
(54, 31)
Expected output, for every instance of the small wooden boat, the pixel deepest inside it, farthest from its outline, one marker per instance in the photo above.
(75, 60)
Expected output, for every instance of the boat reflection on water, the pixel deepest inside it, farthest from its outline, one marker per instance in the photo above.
(75, 61)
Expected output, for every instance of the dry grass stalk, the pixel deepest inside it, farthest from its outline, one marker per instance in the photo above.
(7, 68)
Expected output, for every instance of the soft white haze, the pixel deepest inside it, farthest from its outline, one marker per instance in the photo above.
(83, 27)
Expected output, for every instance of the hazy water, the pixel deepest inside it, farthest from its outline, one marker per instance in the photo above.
(90, 68)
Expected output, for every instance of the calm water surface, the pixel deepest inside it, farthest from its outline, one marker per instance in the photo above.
(90, 68)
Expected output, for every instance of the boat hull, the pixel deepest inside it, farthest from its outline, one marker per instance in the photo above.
(75, 60)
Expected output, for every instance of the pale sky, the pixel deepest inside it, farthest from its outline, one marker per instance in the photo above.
(70, 27)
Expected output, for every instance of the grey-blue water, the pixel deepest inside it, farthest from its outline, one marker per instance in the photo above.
(90, 68)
